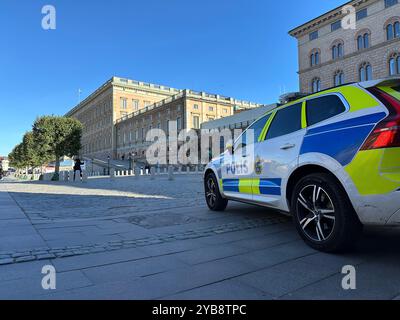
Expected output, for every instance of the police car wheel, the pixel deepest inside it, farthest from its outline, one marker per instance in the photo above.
(213, 197)
(323, 214)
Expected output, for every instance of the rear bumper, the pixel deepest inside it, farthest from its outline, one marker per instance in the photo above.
(379, 209)
(395, 218)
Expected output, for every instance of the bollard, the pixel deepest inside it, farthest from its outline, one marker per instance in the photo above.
(170, 173)
(137, 172)
(131, 172)
(152, 173)
(187, 169)
(71, 176)
(84, 176)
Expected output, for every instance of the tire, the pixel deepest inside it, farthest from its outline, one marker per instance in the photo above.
(214, 200)
(323, 214)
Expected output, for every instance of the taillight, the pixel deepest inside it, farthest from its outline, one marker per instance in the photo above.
(387, 133)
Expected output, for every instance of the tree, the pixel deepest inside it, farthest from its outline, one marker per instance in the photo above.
(30, 152)
(56, 137)
(26, 154)
(16, 157)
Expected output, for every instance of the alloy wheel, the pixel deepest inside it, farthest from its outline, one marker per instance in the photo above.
(211, 192)
(316, 213)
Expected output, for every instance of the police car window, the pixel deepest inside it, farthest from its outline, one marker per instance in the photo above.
(286, 121)
(323, 108)
(257, 128)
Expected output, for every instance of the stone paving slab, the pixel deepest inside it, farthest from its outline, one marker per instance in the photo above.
(157, 240)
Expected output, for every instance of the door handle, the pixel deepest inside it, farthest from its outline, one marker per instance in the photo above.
(288, 146)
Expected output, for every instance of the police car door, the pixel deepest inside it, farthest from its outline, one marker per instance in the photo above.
(277, 154)
(238, 169)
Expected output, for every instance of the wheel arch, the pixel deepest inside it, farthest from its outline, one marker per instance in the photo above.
(303, 171)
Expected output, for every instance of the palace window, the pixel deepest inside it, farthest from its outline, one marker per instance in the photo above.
(337, 51)
(394, 64)
(338, 78)
(389, 3)
(365, 72)
(393, 30)
(364, 41)
(316, 85)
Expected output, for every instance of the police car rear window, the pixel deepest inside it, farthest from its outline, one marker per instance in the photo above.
(323, 108)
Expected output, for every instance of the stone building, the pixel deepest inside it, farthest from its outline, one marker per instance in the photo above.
(330, 55)
(187, 110)
(122, 103)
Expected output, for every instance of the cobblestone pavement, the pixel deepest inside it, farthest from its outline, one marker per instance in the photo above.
(155, 239)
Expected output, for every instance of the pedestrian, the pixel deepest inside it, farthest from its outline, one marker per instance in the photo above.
(1, 173)
(78, 167)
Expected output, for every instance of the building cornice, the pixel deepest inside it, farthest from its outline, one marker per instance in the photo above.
(324, 19)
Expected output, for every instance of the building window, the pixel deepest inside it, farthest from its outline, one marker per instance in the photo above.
(362, 14)
(393, 30)
(338, 78)
(135, 105)
(314, 58)
(389, 3)
(123, 103)
(211, 108)
(178, 123)
(336, 25)
(365, 72)
(313, 35)
(363, 41)
(337, 51)
(196, 107)
(394, 64)
(196, 122)
(316, 85)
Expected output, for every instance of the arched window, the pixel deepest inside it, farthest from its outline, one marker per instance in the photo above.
(312, 60)
(363, 40)
(316, 85)
(315, 58)
(389, 32)
(394, 64)
(337, 51)
(340, 50)
(360, 42)
(393, 28)
(365, 72)
(366, 40)
(338, 78)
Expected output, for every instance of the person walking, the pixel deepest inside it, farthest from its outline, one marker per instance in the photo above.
(78, 167)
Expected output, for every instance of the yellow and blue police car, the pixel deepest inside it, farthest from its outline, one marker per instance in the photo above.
(331, 160)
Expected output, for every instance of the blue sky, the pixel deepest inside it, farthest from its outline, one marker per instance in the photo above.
(236, 48)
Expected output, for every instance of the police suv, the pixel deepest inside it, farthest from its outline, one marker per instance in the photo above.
(331, 160)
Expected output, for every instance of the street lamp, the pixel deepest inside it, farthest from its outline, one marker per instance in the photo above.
(130, 161)
(108, 162)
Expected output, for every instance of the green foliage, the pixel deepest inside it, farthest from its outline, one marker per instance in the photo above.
(52, 137)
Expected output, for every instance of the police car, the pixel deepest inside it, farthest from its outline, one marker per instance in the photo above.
(331, 160)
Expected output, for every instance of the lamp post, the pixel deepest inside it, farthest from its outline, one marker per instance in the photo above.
(108, 163)
(130, 161)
